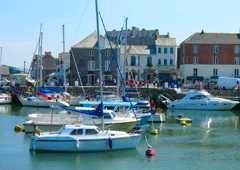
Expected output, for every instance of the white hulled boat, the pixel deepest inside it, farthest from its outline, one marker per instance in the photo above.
(35, 101)
(5, 98)
(202, 100)
(84, 138)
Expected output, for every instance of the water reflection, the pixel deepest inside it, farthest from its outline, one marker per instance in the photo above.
(5, 109)
(209, 119)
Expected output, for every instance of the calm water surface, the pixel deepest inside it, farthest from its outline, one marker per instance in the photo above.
(211, 142)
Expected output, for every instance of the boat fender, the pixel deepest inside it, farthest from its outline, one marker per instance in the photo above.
(110, 142)
(77, 144)
(18, 128)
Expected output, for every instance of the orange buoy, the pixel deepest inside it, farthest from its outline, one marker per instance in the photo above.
(150, 152)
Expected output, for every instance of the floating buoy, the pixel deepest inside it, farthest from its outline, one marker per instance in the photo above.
(150, 152)
(154, 131)
(18, 128)
(184, 120)
(37, 131)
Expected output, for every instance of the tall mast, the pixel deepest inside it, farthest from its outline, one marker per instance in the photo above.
(125, 57)
(100, 64)
(41, 56)
(1, 52)
(63, 64)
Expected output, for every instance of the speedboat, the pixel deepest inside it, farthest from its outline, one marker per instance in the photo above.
(202, 100)
(5, 98)
(84, 138)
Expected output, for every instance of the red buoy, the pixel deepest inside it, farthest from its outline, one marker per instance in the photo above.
(150, 152)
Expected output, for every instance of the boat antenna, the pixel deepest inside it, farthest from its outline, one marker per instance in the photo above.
(100, 65)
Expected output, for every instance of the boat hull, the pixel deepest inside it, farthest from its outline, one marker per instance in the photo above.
(200, 106)
(40, 103)
(84, 145)
(29, 126)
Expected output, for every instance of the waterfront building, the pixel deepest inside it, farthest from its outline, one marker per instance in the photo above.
(150, 56)
(165, 57)
(84, 60)
(49, 65)
(205, 56)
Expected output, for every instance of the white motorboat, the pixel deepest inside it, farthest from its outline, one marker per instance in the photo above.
(34, 101)
(202, 100)
(84, 138)
(5, 98)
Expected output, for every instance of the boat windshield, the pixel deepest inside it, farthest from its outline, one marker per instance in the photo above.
(198, 97)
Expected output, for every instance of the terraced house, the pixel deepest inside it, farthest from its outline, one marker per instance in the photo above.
(205, 56)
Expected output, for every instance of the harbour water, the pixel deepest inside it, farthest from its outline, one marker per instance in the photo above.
(211, 142)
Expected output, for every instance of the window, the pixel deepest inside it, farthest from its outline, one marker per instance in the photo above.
(165, 61)
(195, 49)
(107, 65)
(159, 62)
(159, 50)
(165, 50)
(195, 72)
(171, 61)
(216, 49)
(91, 53)
(237, 49)
(215, 59)
(195, 60)
(237, 60)
(171, 50)
(77, 132)
(215, 72)
(108, 53)
(91, 65)
(149, 61)
(91, 132)
(236, 72)
(198, 97)
(133, 61)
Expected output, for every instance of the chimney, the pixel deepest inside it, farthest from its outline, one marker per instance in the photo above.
(202, 32)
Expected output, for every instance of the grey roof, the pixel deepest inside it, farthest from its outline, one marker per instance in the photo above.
(213, 38)
(91, 40)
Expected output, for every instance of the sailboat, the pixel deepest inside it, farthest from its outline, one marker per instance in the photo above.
(5, 98)
(85, 138)
(39, 99)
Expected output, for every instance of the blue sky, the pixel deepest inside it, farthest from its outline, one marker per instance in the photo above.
(20, 20)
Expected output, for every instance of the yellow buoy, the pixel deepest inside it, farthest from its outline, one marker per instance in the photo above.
(154, 131)
(18, 128)
(37, 131)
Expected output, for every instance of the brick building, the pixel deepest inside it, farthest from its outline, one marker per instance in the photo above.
(205, 56)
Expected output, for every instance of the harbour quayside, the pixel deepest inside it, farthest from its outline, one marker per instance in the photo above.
(85, 138)
(201, 100)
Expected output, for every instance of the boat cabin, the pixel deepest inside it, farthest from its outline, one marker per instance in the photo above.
(77, 130)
